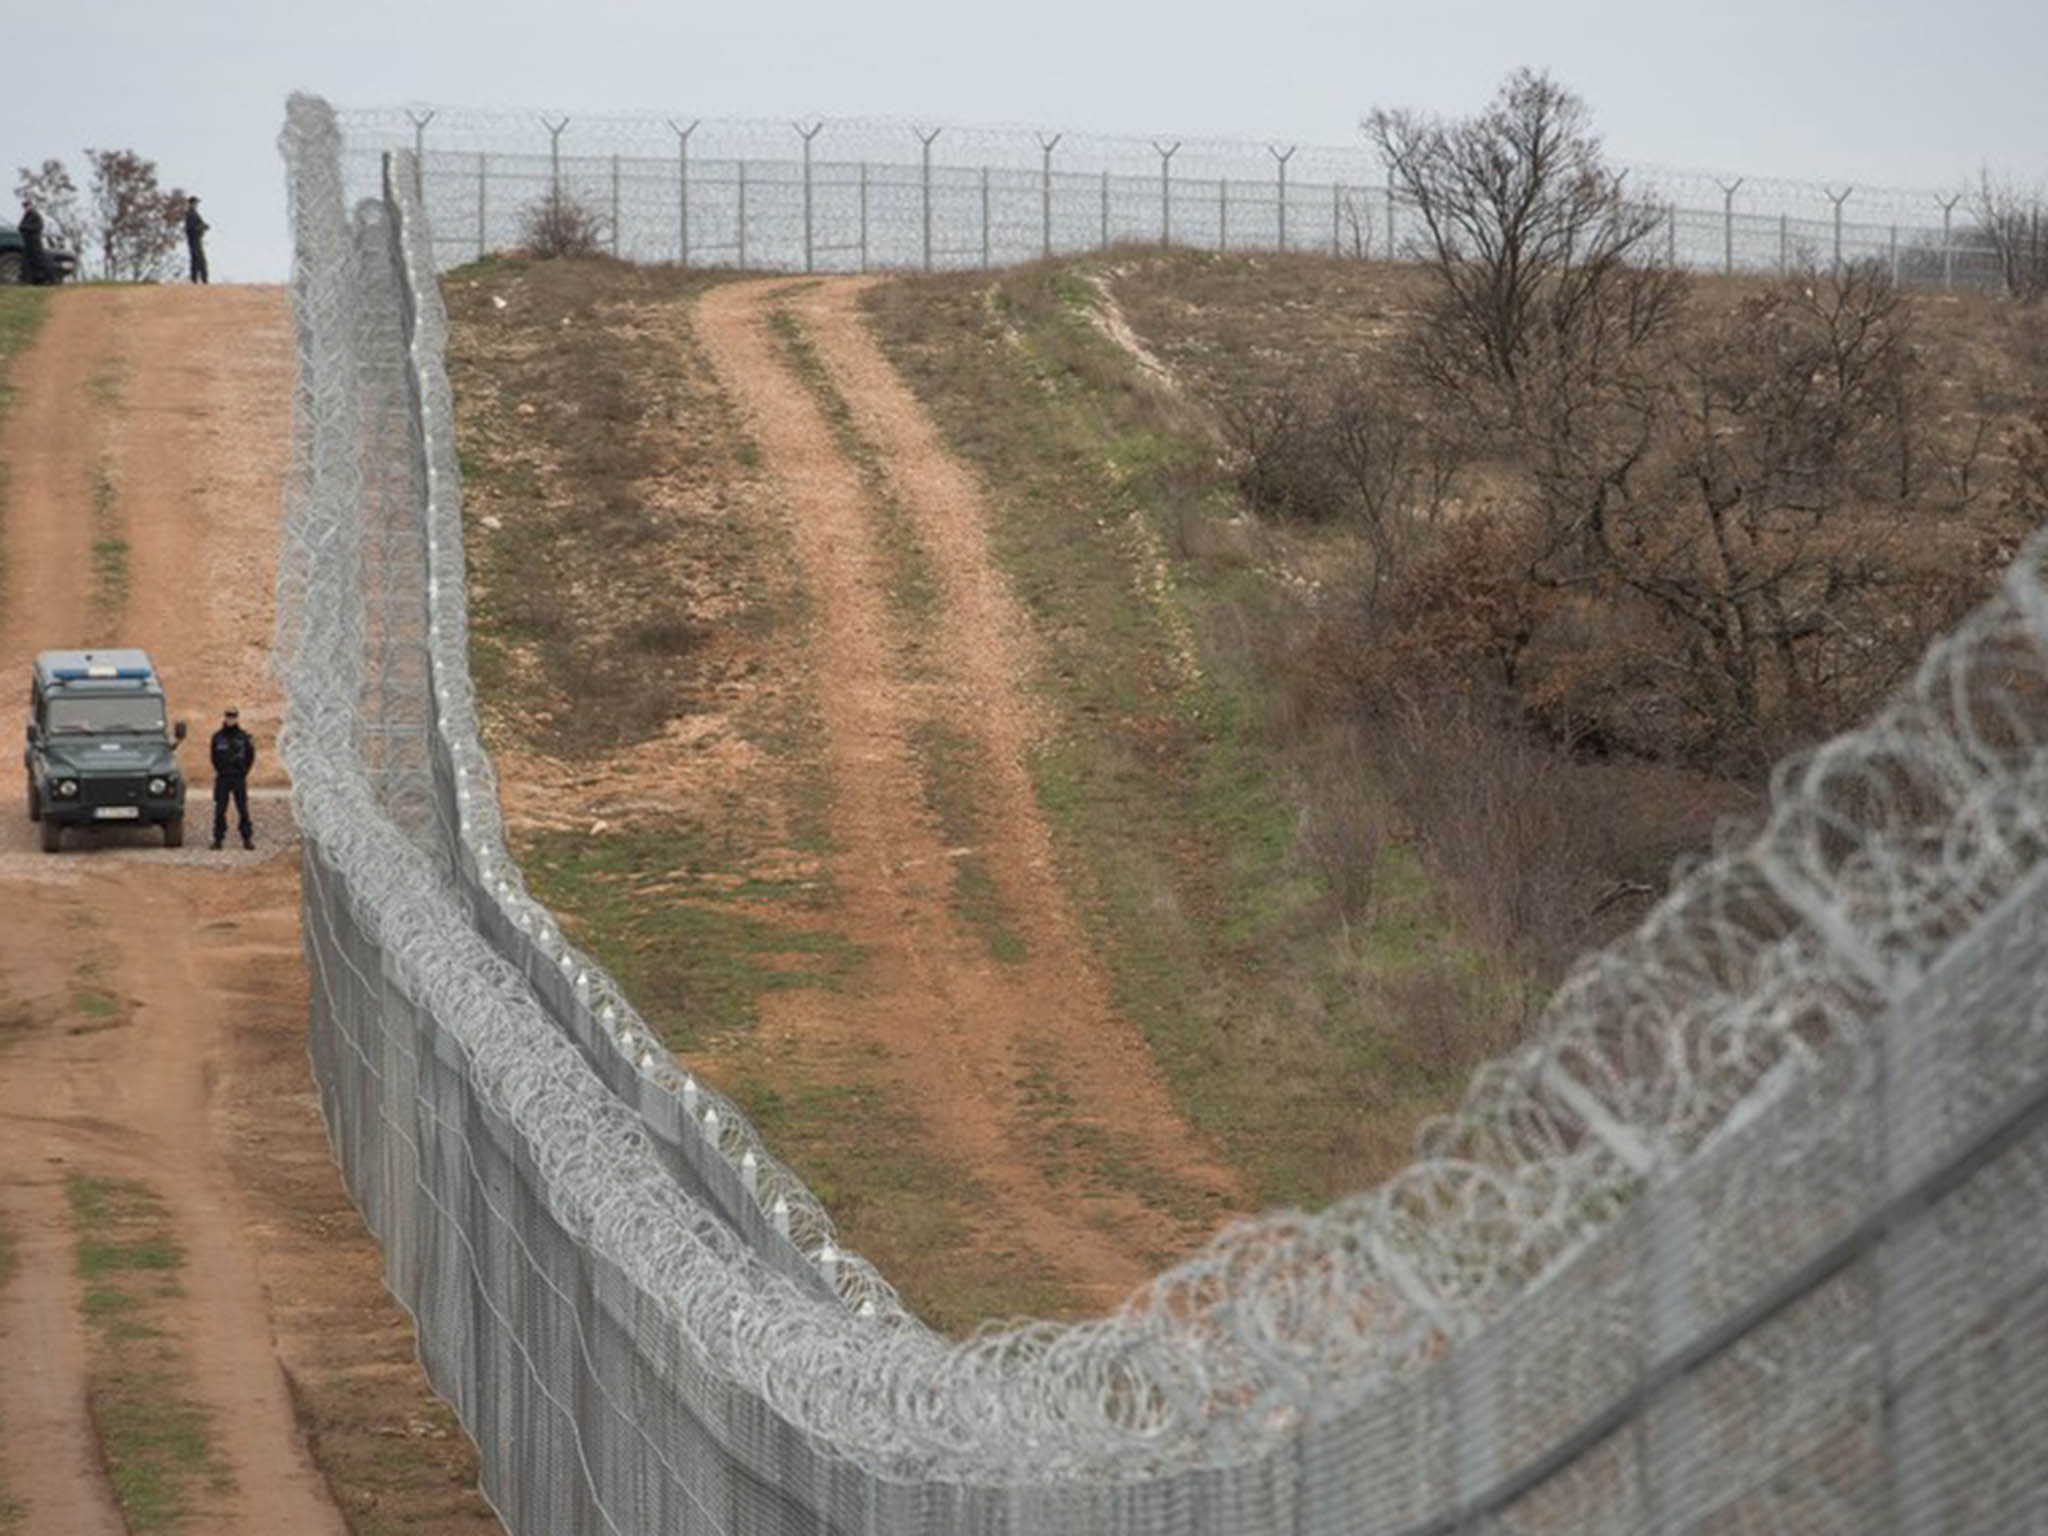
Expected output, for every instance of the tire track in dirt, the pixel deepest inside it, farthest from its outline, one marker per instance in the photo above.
(194, 443)
(961, 1030)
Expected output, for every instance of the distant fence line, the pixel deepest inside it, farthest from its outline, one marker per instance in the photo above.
(858, 195)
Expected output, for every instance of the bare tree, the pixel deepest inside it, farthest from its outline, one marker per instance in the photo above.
(2009, 221)
(1524, 227)
(56, 195)
(133, 222)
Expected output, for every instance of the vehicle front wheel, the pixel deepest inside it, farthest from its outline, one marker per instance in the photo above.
(35, 802)
(10, 267)
(174, 832)
(53, 834)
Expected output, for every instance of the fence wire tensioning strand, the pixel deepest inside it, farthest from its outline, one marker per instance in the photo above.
(858, 194)
(1748, 1236)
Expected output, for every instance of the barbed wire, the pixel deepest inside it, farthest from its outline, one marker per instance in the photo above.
(1065, 148)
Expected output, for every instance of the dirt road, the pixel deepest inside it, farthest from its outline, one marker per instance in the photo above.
(144, 453)
(965, 1032)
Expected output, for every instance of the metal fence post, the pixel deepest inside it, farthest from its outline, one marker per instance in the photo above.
(1839, 199)
(1393, 250)
(984, 217)
(1671, 234)
(554, 158)
(1166, 189)
(925, 141)
(808, 134)
(1908, 1100)
(1045, 148)
(482, 193)
(1223, 213)
(1895, 253)
(419, 122)
(1105, 211)
(1336, 218)
(863, 216)
(1948, 250)
(1281, 160)
(615, 207)
(1670, 1433)
(742, 220)
(683, 188)
(1728, 189)
(1784, 244)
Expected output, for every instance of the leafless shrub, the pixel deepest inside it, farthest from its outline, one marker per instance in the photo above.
(560, 225)
(1338, 833)
(2010, 223)
(1284, 467)
(1350, 450)
(1396, 466)
(1497, 812)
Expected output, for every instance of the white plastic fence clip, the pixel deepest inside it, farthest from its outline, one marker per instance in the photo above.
(750, 1173)
(828, 1264)
(778, 1214)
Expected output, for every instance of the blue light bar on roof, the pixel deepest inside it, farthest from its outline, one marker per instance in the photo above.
(72, 674)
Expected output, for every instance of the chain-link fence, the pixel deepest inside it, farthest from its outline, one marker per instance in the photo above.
(843, 196)
(1751, 1237)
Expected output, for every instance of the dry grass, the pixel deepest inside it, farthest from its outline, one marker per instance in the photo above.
(596, 523)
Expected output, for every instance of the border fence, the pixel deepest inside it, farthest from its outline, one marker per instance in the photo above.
(1749, 1237)
(859, 195)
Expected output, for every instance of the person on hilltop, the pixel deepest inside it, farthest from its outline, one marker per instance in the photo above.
(195, 239)
(234, 754)
(34, 266)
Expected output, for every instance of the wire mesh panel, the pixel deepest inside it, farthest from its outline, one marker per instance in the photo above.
(862, 194)
(1749, 1237)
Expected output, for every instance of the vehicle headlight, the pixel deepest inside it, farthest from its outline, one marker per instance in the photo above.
(159, 786)
(66, 788)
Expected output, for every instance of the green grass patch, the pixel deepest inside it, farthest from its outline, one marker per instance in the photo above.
(155, 1438)
(1166, 781)
(896, 1199)
(110, 548)
(107, 384)
(954, 789)
(22, 310)
(910, 582)
(93, 1003)
(694, 944)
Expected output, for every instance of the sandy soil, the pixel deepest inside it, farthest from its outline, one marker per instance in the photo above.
(196, 1085)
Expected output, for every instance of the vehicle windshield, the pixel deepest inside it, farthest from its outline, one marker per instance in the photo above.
(106, 712)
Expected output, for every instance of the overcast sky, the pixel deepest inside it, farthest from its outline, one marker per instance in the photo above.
(1878, 93)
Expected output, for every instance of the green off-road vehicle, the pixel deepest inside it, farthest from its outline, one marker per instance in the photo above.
(99, 749)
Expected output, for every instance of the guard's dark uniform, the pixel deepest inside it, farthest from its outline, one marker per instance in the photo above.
(234, 754)
(195, 239)
(33, 262)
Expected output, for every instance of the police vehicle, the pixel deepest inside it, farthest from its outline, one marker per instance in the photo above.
(99, 747)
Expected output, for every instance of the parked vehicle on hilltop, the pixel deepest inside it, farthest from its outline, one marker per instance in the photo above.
(60, 264)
